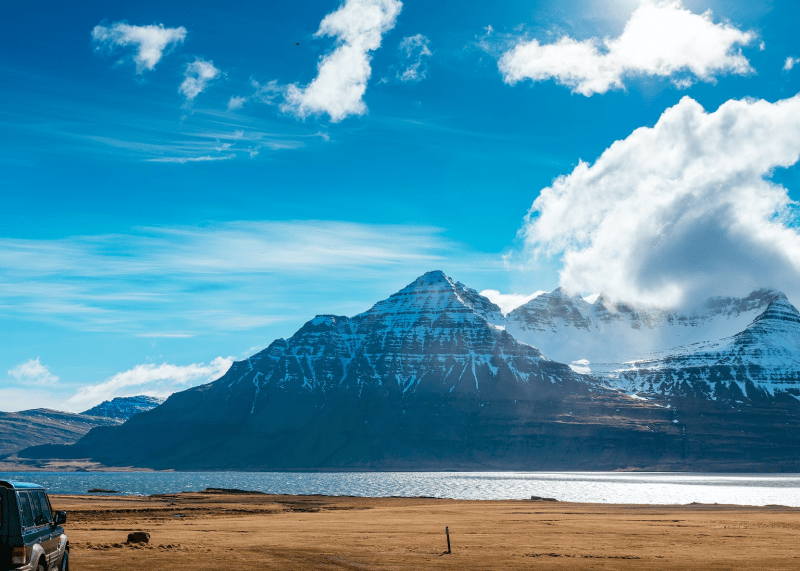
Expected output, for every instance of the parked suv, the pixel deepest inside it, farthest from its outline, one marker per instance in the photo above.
(31, 536)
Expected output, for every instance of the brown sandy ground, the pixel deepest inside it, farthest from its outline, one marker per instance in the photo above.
(230, 531)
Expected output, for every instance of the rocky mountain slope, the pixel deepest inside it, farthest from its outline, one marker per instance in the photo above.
(435, 377)
(122, 408)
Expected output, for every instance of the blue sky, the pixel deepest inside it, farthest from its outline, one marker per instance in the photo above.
(148, 229)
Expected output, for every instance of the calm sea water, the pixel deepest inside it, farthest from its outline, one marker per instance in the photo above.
(616, 488)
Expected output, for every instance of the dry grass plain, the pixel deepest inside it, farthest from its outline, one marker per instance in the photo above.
(226, 531)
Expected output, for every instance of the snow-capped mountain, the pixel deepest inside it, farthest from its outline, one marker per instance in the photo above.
(436, 377)
(757, 364)
(122, 408)
(726, 348)
(435, 336)
(604, 334)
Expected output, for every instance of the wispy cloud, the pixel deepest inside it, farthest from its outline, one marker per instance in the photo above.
(416, 49)
(165, 335)
(32, 372)
(268, 93)
(338, 89)
(217, 277)
(149, 379)
(120, 131)
(236, 102)
(148, 42)
(662, 38)
(200, 159)
(197, 76)
(790, 62)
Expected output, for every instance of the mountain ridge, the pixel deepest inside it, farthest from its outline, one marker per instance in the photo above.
(428, 379)
(122, 408)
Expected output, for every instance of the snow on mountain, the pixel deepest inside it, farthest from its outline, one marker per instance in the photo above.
(733, 349)
(758, 363)
(122, 408)
(603, 334)
(437, 336)
(433, 336)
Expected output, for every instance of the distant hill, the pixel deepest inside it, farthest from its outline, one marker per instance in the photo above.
(122, 408)
(19, 430)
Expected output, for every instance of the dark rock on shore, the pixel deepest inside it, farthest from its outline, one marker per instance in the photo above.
(138, 537)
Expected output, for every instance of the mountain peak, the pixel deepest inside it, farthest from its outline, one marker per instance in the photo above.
(435, 277)
(434, 294)
(779, 309)
(326, 320)
(122, 408)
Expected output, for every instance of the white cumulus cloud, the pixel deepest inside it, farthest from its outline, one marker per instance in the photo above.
(679, 211)
(790, 63)
(149, 379)
(32, 372)
(415, 49)
(662, 38)
(150, 42)
(508, 302)
(196, 77)
(338, 89)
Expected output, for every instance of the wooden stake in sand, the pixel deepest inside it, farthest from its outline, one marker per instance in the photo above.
(447, 531)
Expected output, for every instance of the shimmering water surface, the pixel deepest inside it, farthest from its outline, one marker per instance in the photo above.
(616, 488)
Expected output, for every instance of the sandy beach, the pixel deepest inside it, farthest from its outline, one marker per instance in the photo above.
(257, 531)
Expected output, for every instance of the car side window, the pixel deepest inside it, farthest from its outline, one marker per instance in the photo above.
(46, 511)
(27, 514)
(36, 506)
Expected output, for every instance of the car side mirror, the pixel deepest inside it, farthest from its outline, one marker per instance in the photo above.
(61, 518)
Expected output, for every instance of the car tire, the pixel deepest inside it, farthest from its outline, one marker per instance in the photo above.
(64, 562)
(40, 566)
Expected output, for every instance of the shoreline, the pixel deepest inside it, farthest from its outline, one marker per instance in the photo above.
(552, 502)
(12, 463)
(97, 468)
(218, 530)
